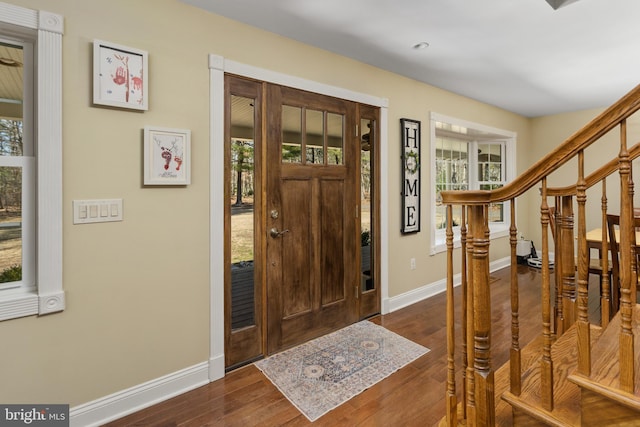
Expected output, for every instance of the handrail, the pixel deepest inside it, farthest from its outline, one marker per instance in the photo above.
(595, 177)
(580, 140)
(569, 307)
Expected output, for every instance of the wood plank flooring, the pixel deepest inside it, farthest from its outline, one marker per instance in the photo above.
(413, 396)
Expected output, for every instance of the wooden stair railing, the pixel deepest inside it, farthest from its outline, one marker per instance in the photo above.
(570, 305)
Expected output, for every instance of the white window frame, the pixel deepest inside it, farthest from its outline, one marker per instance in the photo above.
(44, 30)
(508, 138)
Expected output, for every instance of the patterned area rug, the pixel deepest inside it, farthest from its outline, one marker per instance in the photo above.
(324, 373)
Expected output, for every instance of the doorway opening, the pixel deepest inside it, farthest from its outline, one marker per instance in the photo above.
(302, 220)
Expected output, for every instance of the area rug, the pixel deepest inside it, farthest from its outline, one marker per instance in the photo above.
(323, 373)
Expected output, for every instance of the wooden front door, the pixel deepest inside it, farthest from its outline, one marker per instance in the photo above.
(310, 229)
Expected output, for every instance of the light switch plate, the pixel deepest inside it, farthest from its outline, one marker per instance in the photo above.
(99, 210)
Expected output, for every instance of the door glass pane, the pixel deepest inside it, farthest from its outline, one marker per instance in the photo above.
(291, 134)
(242, 209)
(335, 140)
(314, 142)
(366, 213)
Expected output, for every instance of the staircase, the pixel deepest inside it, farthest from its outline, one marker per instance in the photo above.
(575, 373)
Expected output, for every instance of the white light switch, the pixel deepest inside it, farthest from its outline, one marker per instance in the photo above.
(99, 210)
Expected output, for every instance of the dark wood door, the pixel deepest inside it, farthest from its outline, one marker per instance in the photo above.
(312, 285)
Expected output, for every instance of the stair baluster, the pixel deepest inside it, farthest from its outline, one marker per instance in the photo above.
(451, 369)
(584, 337)
(546, 363)
(515, 356)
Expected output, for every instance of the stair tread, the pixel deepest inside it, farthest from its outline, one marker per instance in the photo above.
(566, 411)
(528, 356)
(605, 366)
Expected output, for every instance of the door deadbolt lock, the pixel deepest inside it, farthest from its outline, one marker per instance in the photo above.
(274, 214)
(275, 233)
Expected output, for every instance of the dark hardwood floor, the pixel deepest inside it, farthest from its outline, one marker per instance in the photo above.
(413, 396)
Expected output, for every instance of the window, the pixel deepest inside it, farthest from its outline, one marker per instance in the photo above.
(30, 162)
(468, 156)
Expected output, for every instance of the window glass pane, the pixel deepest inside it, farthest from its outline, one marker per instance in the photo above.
(10, 224)
(366, 231)
(10, 137)
(11, 177)
(242, 209)
(291, 134)
(11, 111)
(441, 216)
(490, 162)
(452, 172)
(314, 141)
(335, 141)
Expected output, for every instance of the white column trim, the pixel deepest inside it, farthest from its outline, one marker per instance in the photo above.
(216, 168)
(49, 134)
(47, 28)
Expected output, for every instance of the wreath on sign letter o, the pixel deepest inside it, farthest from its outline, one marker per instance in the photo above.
(412, 162)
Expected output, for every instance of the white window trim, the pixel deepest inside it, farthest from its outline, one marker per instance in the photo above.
(48, 297)
(497, 230)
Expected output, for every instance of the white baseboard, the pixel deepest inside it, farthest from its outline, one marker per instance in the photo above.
(216, 367)
(122, 403)
(431, 289)
(125, 402)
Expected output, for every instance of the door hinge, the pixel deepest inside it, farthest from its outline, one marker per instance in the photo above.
(356, 131)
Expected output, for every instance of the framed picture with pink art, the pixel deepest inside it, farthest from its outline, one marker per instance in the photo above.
(119, 76)
(167, 156)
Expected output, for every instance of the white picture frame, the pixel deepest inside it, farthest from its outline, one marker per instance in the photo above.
(167, 156)
(120, 76)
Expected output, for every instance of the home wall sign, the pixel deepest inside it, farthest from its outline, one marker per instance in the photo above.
(410, 138)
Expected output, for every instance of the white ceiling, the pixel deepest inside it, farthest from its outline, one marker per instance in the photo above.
(520, 55)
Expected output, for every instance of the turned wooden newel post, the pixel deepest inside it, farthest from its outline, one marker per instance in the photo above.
(484, 376)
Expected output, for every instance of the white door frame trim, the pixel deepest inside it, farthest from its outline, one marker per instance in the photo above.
(218, 66)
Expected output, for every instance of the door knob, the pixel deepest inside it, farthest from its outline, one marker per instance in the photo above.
(275, 233)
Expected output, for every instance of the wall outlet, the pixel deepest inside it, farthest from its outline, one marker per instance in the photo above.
(412, 263)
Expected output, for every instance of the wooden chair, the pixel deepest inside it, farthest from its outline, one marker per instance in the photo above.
(613, 224)
(595, 264)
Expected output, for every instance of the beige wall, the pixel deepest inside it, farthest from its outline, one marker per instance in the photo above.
(138, 290)
(549, 131)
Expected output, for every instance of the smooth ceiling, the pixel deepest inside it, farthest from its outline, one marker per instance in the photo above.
(520, 55)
